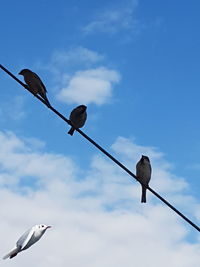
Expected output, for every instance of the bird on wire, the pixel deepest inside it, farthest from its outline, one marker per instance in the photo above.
(35, 84)
(78, 118)
(27, 239)
(143, 173)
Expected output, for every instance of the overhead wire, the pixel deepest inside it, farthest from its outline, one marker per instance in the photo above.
(104, 151)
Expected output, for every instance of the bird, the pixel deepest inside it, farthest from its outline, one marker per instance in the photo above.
(143, 173)
(77, 118)
(35, 84)
(30, 237)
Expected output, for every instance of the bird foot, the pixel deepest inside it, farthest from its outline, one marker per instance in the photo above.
(27, 87)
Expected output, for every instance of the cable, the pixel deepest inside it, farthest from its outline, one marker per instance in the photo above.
(105, 152)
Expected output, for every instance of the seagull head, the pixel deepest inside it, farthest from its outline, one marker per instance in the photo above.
(42, 227)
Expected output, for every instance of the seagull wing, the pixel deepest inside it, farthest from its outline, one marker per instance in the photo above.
(25, 238)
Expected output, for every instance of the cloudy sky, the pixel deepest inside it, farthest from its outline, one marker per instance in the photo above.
(135, 64)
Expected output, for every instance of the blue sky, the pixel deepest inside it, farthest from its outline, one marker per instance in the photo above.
(135, 64)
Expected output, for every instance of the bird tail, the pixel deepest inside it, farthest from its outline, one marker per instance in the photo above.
(47, 101)
(43, 95)
(71, 131)
(11, 254)
(143, 198)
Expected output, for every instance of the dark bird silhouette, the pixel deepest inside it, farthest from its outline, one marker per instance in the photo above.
(143, 173)
(35, 85)
(77, 117)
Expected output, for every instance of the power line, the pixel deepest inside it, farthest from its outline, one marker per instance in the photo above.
(105, 152)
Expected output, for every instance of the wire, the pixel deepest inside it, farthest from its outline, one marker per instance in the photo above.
(105, 152)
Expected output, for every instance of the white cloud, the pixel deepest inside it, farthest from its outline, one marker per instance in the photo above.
(97, 220)
(113, 20)
(90, 86)
(78, 55)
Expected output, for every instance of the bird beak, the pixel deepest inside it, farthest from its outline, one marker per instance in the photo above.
(19, 73)
(48, 226)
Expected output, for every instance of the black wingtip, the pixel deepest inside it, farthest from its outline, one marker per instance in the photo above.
(13, 255)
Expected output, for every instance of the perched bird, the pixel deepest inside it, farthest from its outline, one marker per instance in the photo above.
(27, 239)
(143, 173)
(35, 85)
(77, 117)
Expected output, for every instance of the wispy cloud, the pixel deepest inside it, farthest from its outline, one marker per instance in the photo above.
(94, 217)
(14, 109)
(113, 19)
(76, 56)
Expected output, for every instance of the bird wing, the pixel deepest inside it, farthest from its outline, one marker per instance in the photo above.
(24, 239)
(38, 78)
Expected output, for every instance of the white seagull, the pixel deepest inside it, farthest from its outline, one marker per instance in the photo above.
(27, 239)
